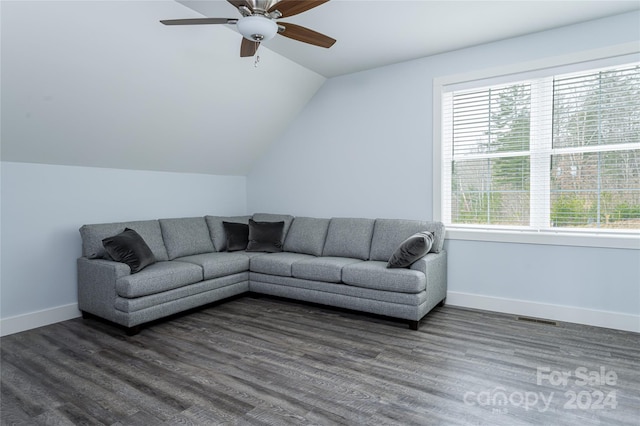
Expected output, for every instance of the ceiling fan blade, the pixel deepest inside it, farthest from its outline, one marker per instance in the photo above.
(238, 3)
(306, 35)
(248, 48)
(199, 21)
(293, 7)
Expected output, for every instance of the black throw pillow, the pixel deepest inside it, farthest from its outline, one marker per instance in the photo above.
(265, 236)
(411, 249)
(129, 247)
(237, 235)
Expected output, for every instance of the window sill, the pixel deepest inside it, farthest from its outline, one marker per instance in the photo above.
(557, 238)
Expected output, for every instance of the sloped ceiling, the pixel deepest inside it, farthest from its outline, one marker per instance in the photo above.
(373, 33)
(104, 84)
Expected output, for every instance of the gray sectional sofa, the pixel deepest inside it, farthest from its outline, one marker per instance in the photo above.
(340, 262)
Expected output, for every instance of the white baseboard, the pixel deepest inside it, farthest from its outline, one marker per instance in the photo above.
(607, 319)
(572, 314)
(37, 319)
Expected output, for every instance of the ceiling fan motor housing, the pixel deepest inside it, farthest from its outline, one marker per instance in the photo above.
(257, 28)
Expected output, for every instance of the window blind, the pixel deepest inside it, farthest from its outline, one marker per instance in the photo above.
(595, 176)
(554, 152)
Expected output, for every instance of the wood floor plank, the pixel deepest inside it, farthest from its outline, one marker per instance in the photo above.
(269, 361)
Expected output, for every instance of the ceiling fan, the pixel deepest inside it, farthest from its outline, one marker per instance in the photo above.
(258, 23)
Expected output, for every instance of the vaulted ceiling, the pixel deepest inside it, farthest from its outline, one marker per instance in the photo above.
(373, 33)
(104, 84)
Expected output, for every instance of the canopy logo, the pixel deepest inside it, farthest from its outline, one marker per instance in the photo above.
(573, 394)
(499, 400)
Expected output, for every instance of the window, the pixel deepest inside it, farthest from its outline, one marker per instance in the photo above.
(595, 161)
(556, 153)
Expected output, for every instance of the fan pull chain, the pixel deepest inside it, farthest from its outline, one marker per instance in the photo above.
(255, 64)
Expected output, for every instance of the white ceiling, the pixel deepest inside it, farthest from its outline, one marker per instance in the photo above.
(104, 84)
(372, 33)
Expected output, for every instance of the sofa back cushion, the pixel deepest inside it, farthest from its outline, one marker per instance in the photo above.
(149, 230)
(388, 234)
(306, 235)
(269, 217)
(349, 237)
(216, 229)
(186, 236)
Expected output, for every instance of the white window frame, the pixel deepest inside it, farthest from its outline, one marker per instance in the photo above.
(582, 61)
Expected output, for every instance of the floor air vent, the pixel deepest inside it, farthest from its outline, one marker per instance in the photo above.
(538, 320)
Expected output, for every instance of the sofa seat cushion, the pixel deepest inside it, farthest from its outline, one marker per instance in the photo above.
(375, 274)
(215, 265)
(277, 263)
(159, 277)
(251, 254)
(327, 269)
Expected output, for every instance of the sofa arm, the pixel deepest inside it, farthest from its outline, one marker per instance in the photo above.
(97, 285)
(434, 266)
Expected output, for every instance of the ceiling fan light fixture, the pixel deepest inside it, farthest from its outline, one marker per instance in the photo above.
(257, 28)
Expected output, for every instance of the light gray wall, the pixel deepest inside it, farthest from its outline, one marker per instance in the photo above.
(601, 279)
(104, 84)
(363, 147)
(44, 205)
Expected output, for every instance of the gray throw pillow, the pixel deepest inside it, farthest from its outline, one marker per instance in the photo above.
(411, 249)
(129, 247)
(237, 235)
(265, 236)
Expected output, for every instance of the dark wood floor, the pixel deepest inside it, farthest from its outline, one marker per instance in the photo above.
(268, 361)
